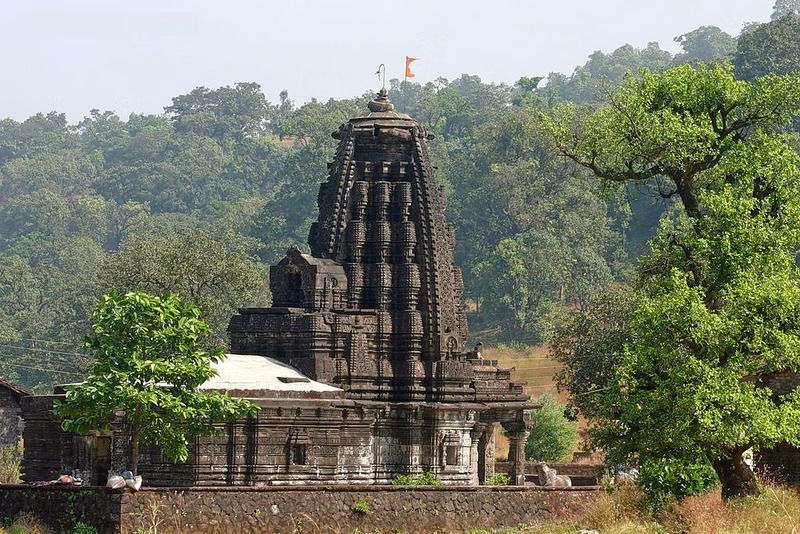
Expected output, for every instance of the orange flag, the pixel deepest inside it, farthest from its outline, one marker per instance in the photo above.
(409, 74)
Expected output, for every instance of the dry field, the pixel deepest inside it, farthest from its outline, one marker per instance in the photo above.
(530, 365)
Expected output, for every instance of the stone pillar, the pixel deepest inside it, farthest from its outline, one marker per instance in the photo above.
(475, 435)
(120, 445)
(517, 436)
(486, 453)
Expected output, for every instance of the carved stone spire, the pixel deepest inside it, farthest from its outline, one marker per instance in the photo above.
(376, 307)
(382, 217)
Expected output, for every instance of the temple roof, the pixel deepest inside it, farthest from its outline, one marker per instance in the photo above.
(249, 373)
(15, 389)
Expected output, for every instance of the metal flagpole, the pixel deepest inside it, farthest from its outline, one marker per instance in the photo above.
(405, 84)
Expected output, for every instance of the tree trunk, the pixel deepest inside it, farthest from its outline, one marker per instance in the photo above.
(736, 477)
(685, 188)
(135, 436)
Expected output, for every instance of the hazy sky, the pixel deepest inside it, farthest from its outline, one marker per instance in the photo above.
(135, 55)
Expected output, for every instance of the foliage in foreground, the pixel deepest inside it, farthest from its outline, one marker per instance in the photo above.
(718, 296)
(149, 363)
(23, 524)
(667, 479)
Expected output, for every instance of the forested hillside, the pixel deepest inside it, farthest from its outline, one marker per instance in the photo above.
(200, 200)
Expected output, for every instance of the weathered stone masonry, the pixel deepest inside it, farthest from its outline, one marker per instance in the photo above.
(273, 510)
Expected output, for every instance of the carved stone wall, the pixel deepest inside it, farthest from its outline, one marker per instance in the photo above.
(9, 419)
(290, 442)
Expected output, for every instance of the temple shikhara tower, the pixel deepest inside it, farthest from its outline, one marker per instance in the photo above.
(362, 365)
(376, 307)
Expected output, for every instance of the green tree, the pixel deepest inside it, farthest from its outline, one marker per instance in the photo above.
(290, 208)
(553, 437)
(589, 344)
(313, 123)
(706, 44)
(719, 294)
(37, 134)
(525, 91)
(227, 113)
(519, 291)
(149, 364)
(538, 239)
(215, 273)
(603, 71)
(784, 8)
(771, 48)
(48, 288)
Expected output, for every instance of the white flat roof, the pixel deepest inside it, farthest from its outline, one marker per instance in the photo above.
(251, 372)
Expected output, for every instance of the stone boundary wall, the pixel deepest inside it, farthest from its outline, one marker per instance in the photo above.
(62, 507)
(331, 509)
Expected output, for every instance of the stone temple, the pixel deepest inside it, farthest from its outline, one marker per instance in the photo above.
(361, 366)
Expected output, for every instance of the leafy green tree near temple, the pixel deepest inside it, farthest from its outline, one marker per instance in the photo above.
(589, 343)
(149, 364)
(553, 437)
(718, 304)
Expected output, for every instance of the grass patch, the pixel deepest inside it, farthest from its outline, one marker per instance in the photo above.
(9, 465)
(624, 510)
(25, 524)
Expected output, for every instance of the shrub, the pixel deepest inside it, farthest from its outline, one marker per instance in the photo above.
(361, 507)
(675, 478)
(83, 528)
(623, 503)
(776, 510)
(26, 523)
(402, 480)
(499, 479)
(428, 478)
(553, 437)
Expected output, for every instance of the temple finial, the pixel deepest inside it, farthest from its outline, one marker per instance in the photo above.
(381, 103)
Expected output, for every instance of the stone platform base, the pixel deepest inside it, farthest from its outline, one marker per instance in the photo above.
(333, 509)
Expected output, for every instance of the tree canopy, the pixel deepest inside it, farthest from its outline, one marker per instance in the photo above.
(149, 362)
(214, 273)
(719, 293)
(771, 48)
(553, 437)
